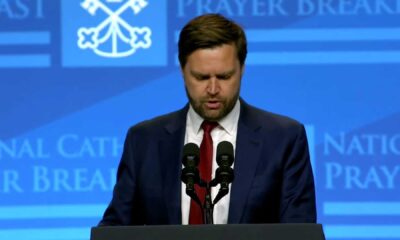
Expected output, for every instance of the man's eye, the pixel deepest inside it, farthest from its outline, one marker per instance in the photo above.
(224, 77)
(202, 77)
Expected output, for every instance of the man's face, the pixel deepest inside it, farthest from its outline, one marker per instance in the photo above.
(212, 81)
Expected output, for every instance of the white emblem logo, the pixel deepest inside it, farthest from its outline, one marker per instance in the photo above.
(120, 37)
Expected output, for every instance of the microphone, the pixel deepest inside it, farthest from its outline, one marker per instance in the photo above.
(224, 173)
(190, 173)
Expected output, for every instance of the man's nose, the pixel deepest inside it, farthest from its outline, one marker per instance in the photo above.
(213, 86)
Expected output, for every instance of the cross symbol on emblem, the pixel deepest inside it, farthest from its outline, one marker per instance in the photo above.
(114, 31)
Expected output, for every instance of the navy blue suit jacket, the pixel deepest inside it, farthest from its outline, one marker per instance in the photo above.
(273, 177)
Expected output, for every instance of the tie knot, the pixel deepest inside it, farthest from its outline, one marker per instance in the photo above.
(208, 126)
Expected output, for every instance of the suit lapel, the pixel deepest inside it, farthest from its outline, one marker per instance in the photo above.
(170, 152)
(248, 149)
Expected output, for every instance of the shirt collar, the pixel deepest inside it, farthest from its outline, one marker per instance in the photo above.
(228, 123)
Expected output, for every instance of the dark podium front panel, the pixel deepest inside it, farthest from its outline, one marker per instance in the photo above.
(211, 232)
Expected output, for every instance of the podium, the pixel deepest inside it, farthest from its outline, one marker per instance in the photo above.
(286, 231)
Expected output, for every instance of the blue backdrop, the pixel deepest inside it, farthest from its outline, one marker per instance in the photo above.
(75, 74)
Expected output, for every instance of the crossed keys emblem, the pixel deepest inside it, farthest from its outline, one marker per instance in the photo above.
(114, 37)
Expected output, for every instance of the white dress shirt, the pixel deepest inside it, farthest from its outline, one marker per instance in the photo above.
(226, 131)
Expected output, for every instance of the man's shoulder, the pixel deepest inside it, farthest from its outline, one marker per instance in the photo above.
(272, 125)
(156, 124)
(268, 119)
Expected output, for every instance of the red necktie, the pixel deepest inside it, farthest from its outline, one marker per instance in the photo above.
(205, 166)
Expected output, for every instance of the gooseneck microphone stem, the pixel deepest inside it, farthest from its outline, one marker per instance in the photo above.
(208, 209)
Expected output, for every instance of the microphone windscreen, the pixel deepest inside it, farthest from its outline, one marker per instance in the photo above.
(190, 150)
(225, 148)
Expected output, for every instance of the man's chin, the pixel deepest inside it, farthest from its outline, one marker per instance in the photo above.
(212, 115)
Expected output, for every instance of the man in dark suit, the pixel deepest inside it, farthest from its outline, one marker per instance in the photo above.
(273, 177)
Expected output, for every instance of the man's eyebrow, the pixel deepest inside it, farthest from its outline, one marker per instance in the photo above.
(198, 74)
(227, 73)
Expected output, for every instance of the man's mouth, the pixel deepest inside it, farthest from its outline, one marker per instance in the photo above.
(213, 104)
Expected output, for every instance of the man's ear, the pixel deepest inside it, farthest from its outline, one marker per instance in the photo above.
(183, 75)
(242, 68)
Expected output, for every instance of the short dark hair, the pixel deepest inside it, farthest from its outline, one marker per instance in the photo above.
(210, 31)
